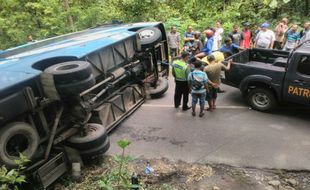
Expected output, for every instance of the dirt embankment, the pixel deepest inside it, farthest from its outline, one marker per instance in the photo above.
(180, 175)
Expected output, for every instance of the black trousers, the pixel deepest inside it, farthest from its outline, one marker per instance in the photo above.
(181, 89)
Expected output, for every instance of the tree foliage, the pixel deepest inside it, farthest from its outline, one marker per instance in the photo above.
(47, 18)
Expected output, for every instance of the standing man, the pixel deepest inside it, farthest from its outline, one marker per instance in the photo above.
(197, 81)
(213, 71)
(265, 38)
(306, 32)
(189, 37)
(207, 49)
(236, 36)
(217, 36)
(247, 36)
(180, 71)
(174, 40)
(280, 31)
(291, 39)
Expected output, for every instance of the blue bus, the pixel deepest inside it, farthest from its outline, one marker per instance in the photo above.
(64, 94)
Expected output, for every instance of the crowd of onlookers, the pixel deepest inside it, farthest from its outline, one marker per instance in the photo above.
(198, 70)
(285, 36)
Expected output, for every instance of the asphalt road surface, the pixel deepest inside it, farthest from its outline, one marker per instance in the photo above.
(233, 134)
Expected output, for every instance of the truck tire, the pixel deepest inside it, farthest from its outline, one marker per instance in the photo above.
(149, 36)
(261, 99)
(15, 138)
(100, 149)
(70, 71)
(161, 87)
(95, 135)
(76, 87)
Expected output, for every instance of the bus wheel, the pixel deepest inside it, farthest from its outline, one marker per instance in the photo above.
(149, 36)
(16, 138)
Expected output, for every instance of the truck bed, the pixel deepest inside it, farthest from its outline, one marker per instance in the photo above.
(271, 63)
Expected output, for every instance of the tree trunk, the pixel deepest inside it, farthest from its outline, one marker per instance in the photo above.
(70, 19)
(307, 7)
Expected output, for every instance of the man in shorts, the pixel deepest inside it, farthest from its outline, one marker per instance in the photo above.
(213, 71)
(198, 83)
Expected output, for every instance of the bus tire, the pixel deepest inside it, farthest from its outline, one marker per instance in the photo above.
(15, 138)
(161, 87)
(149, 36)
(96, 134)
(70, 71)
(95, 151)
(75, 88)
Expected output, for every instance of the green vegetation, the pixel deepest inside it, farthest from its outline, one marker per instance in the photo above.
(118, 177)
(11, 179)
(47, 18)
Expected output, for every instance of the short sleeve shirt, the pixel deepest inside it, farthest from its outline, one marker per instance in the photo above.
(173, 39)
(198, 76)
(189, 35)
(236, 37)
(264, 38)
(213, 72)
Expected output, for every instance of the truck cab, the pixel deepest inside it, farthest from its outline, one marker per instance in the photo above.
(296, 86)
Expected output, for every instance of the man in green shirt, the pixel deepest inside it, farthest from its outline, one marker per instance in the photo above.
(180, 71)
(213, 71)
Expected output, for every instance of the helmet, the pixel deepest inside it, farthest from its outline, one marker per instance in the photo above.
(209, 32)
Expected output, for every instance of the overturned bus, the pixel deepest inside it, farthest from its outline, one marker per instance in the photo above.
(62, 95)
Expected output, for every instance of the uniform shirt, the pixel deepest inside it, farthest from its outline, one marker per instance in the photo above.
(173, 40)
(264, 38)
(200, 77)
(180, 70)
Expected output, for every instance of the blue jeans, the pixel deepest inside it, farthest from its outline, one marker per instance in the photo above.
(199, 96)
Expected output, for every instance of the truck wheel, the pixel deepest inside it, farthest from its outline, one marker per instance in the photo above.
(160, 89)
(15, 138)
(95, 135)
(75, 88)
(149, 36)
(261, 99)
(70, 71)
(100, 149)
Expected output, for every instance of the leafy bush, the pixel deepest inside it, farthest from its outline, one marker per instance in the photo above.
(119, 177)
(11, 179)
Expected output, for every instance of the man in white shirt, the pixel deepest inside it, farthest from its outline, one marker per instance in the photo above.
(265, 38)
(306, 33)
(217, 36)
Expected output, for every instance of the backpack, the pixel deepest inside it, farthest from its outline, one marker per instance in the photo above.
(196, 85)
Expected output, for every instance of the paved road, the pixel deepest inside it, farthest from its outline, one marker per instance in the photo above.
(233, 134)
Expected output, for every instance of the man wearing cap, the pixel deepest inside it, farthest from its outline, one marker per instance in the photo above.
(180, 71)
(207, 49)
(265, 38)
